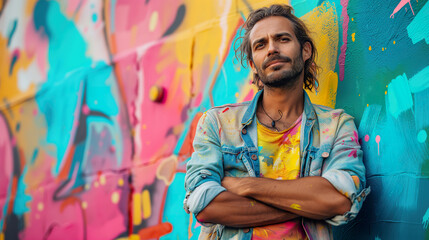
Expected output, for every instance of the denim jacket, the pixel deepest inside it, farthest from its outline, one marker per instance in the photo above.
(225, 144)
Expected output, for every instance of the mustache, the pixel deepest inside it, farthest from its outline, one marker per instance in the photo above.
(280, 58)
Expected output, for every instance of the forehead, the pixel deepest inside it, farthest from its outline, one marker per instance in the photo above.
(270, 26)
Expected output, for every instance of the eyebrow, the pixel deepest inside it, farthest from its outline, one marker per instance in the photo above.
(277, 35)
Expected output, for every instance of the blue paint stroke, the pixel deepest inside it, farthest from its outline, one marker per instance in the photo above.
(421, 110)
(35, 153)
(12, 31)
(399, 97)
(425, 220)
(20, 205)
(418, 29)
(113, 8)
(13, 61)
(420, 81)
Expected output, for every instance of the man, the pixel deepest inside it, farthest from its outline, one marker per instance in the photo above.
(278, 167)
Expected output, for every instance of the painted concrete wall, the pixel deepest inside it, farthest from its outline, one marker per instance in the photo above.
(85, 153)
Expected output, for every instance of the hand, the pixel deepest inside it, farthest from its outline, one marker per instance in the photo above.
(234, 185)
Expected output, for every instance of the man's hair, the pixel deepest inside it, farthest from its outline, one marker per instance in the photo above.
(244, 51)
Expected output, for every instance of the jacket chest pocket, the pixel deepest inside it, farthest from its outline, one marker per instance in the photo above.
(317, 157)
(233, 164)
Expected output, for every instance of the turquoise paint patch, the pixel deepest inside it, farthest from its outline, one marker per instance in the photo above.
(99, 90)
(418, 29)
(420, 81)
(174, 213)
(425, 220)
(20, 205)
(399, 97)
(422, 136)
(302, 7)
(94, 17)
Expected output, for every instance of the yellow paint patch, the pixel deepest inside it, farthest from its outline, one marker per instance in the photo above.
(394, 42)
(356, 181)
(115, 197)
(323, 24)
(84, 205)
(370, 48)
(352, 19)
(153, 21)
(295, 206)
(103, 179)
(137, 209)
(147, 206)
(353, 37)
(385, 92)
(134, 237)
(382, 49)
(121, 182)
(237, 94)
(40, 206)
(367, 105)
(1, 236)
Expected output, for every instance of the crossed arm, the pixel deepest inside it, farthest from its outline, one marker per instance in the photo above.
(251, 202)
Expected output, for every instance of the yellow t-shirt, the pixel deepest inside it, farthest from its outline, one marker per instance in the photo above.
(279, 159)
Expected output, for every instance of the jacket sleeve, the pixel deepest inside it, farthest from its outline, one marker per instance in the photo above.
(345, 170)
(204, 171)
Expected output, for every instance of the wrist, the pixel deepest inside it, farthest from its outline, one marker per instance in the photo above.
(246, 183)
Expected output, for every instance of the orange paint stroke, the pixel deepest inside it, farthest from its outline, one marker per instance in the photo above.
(155, 231)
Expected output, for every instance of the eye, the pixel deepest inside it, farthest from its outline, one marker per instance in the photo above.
(284, 39)
(259, 46)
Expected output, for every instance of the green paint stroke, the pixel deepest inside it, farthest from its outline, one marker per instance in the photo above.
(399, 97)
(420, 81)
(425, 220)
(419, 27)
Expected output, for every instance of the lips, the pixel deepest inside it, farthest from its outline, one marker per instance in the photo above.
(274, 60)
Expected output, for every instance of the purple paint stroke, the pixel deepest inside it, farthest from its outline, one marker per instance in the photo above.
(400, 5)
(342, 58)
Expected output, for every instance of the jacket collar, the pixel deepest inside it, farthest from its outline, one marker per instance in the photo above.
(251, 110)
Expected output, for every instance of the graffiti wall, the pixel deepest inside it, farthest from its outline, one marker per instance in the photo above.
(99, 101)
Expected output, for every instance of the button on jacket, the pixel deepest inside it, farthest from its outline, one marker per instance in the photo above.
(225, 144)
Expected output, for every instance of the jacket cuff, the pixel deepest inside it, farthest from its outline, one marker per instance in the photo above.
(344, 183)
(198, 199)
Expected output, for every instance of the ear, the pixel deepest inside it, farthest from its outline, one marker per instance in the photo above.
(252, 65)
(306, 51)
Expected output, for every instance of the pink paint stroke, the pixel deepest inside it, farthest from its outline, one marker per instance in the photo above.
(401, 5)
(342, 58)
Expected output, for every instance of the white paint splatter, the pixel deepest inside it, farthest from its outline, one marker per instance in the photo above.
(425, 220)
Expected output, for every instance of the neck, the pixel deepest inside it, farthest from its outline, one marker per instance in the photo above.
(289, 101)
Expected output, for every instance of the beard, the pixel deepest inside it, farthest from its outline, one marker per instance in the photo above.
(282, 78)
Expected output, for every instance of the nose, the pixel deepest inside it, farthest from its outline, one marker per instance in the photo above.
(272, 48)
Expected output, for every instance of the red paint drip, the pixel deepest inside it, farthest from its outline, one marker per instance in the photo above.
(226, 109)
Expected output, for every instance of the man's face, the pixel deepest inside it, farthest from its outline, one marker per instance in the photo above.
(278, 57)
